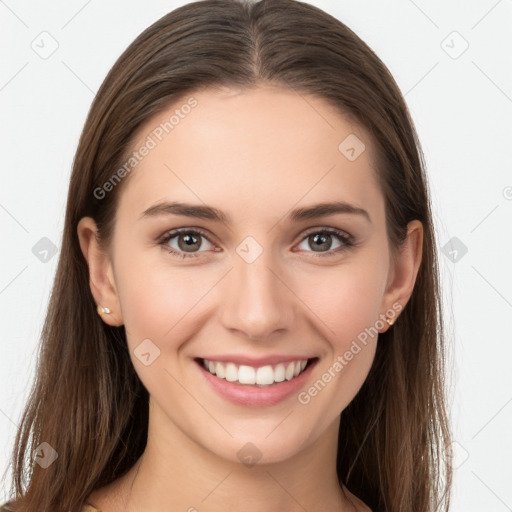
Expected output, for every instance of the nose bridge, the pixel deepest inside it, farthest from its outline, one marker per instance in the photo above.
(257, 302)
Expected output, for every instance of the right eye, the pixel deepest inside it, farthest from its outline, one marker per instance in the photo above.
(184, 242)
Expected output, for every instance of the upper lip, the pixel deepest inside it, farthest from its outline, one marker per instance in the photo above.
(256, 362)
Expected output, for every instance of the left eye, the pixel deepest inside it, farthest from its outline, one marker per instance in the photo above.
(322, 240)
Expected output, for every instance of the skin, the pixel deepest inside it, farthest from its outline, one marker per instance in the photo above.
(255, 155)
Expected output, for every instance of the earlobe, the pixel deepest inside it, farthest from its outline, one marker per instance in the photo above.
(406, 266)
(101, 280)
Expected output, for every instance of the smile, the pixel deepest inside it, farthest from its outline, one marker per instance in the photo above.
(263, 376)
(256, 382)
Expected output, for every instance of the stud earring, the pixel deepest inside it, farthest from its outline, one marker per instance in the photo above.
(390, 321)
(102, 310)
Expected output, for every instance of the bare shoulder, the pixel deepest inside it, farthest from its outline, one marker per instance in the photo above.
(100, 501)
(361, 506)
(89, 508)
(9, 507)
(106, 499)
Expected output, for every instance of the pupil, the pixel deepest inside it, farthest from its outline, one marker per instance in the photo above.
(322, 239)
(190, 240)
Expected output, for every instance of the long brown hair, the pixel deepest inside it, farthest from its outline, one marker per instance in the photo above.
(87, 401)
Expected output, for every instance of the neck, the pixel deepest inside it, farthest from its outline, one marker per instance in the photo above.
(176, 473)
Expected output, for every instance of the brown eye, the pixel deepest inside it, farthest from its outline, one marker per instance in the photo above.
(321, 242)
(189, 242)
(185, 243)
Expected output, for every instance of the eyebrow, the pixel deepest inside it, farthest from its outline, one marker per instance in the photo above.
(214, 214)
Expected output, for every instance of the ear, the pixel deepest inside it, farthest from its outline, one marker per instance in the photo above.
(101, 276)
(404, 270)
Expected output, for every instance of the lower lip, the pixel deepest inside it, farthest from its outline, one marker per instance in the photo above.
(252, 395)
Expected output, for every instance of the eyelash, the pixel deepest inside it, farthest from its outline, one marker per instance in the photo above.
(346, 239)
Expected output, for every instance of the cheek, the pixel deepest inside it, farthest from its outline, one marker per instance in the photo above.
(346, 299)
(160, 304)
(155, 299)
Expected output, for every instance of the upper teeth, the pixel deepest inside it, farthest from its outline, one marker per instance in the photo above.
(264, 376)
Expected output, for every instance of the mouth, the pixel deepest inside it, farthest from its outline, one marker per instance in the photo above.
(251, 382)
(270, 375)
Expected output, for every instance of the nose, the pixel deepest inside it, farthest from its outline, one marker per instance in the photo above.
(257, 301)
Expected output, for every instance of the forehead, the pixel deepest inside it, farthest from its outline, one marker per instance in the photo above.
(255, 149)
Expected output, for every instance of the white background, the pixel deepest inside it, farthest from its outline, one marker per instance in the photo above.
(462, 108)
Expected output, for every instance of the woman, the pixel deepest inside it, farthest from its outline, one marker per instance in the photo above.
(246, 310)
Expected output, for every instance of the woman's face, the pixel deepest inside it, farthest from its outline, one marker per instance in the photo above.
(268, 285)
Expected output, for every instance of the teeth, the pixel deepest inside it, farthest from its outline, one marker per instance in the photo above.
(279, 373)
(263, 376)
(246, 375)
(219, 371)
(231, 372)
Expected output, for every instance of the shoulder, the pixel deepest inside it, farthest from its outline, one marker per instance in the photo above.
(361, 506)
(9, 507)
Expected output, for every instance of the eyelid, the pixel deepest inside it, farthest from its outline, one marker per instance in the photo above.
(171, 233)
(326, 229)
(207, 235)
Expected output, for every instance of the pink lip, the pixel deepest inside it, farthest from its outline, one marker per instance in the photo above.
(256, 362)
(254, 396)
